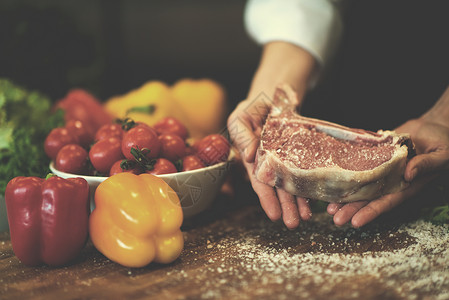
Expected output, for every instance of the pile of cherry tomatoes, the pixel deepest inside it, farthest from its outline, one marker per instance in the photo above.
(126, 146)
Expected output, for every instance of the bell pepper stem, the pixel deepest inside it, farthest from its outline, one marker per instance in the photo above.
(147, 109)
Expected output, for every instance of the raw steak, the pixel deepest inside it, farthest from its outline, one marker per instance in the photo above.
(325, 161)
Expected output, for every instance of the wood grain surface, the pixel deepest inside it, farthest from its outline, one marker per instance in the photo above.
(233, 251)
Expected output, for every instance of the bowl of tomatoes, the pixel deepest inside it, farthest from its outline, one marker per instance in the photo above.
(195, 169)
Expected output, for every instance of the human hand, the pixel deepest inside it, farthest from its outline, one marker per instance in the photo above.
(281, 62)
(245, 126)
(431, 140)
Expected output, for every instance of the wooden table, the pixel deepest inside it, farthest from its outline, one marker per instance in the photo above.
(233, 251)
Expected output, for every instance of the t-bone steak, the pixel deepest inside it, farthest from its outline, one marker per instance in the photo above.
(320, 160)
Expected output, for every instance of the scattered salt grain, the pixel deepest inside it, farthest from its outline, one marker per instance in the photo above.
(421, 265)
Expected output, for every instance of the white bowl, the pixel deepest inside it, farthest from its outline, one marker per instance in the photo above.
(196, 189)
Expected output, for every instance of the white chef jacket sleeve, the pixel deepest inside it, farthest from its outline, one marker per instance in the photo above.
(314, 25)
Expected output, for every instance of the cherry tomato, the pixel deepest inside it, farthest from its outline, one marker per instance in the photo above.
(56, 139)
(172, 146)
(190, 150)
(163, 166)
(141, 137)
(171, 125)
(213, 149)
(71, 158)
(192, 146)
(116, 168)
(192, 162)
(105, 153)
(78, 129)
(109, 130)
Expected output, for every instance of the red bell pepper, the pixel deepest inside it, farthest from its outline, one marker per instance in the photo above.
(48, 218)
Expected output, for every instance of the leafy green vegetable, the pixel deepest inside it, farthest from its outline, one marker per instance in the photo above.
(439, 215)
(25, 121)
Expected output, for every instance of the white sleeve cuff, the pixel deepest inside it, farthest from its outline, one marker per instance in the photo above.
(314, 25)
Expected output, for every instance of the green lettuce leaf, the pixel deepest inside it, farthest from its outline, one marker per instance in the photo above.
(25, 121)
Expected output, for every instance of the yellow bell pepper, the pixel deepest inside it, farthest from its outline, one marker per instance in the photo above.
(137, 220)
(200, 105)
(147, 104)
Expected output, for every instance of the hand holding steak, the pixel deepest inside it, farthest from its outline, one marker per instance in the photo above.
(430, 134)
(280, 62)
(320, 160)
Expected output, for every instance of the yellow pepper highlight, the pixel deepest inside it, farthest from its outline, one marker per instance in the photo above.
(137, 220)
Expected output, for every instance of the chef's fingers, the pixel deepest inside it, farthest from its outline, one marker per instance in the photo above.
(387, 202)
(333, 208)
(268, 200)
(427, 163)
(267, 195)
(347, 211)
(304, 208)
(377, 207)
(290, 213)
(242, 134)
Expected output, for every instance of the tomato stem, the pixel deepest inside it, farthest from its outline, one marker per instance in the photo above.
(126, 123)
(178, 165)
(141, 158)
(127, 164)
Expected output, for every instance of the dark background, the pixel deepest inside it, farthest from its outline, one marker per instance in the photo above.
(392, 64)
